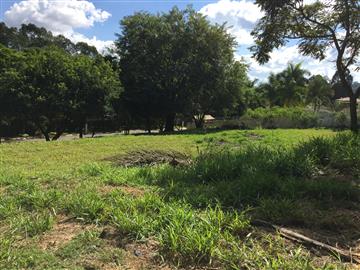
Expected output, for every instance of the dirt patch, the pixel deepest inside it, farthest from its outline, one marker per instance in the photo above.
(138, 255)
(133, 191)
(253, 136)
(91, 263)
(143, 256)
(62, 232)
(150, 158)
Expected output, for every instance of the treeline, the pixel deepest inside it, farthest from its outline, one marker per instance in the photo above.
(163, 68)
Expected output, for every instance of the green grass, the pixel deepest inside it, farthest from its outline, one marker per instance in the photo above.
(198, 214)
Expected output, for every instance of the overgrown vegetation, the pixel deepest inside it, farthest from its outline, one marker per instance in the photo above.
(198, 214)
(279, 117)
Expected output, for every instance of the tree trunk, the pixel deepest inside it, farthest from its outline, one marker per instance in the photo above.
(148, 125)
(81, 134)
(57, 135)
(353, 114)
(161, 128)
(170, 123)
(44, 132)
(199, 121)
(353, 96)
(46, 135)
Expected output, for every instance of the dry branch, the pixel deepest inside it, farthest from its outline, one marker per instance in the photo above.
(294, 236)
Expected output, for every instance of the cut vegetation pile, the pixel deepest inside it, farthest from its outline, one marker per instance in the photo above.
(208, 214)
(138, 158)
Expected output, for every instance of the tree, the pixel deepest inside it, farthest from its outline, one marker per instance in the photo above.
(215, 79)
(11, 83)
(32, 36)
(92, 90)
(320, 92)
(45, 88)
(318, 27)
(173, 63)
(141, 52)
(287, 88)
(86, 49)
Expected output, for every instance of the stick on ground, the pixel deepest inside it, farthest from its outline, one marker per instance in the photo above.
(294, 236)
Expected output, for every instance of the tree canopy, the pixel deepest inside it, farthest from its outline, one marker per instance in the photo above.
(318, 27)
(177, 62)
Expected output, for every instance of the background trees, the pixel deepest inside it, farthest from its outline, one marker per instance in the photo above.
(318, 27)
(47, 73)
(11, 82)
(172, 66)
(93, 88)
(287, 88)
(320, 92)
(52, 83)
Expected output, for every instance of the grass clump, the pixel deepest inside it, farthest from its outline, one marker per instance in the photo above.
(32, 225)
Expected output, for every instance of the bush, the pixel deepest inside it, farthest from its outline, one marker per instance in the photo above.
(279, 117)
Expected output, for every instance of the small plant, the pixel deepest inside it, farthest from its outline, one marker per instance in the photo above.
(34, 224)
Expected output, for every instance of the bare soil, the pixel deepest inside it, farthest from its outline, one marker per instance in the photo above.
(62, 233)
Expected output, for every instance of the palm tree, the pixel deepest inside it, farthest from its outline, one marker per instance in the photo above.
(287, 88)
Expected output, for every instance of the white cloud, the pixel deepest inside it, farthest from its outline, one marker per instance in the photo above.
(60, 17)
(240, 15)
(101, 45)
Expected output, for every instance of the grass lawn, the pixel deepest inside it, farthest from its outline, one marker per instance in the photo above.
(70, 205)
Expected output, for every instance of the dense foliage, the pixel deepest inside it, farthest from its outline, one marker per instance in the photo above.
(178, 63)
(171, 65)
(53, 90)
(165, 69)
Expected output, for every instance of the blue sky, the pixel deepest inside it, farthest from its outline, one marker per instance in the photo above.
(96, 22)
(119, 9)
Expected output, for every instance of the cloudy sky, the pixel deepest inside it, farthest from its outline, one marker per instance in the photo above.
(97, 21)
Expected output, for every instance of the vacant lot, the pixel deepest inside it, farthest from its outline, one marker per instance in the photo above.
(186, 201)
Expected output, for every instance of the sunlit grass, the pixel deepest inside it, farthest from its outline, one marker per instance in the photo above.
(198, 214)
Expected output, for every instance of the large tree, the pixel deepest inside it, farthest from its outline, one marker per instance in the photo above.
(317, 26)
(173, 63)
(45, 89)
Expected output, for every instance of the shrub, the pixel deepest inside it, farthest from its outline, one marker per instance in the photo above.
(280, 117)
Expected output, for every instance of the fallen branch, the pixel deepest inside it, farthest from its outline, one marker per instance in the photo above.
(294, 236)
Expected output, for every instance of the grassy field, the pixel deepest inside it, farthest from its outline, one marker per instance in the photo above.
(73, 205)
